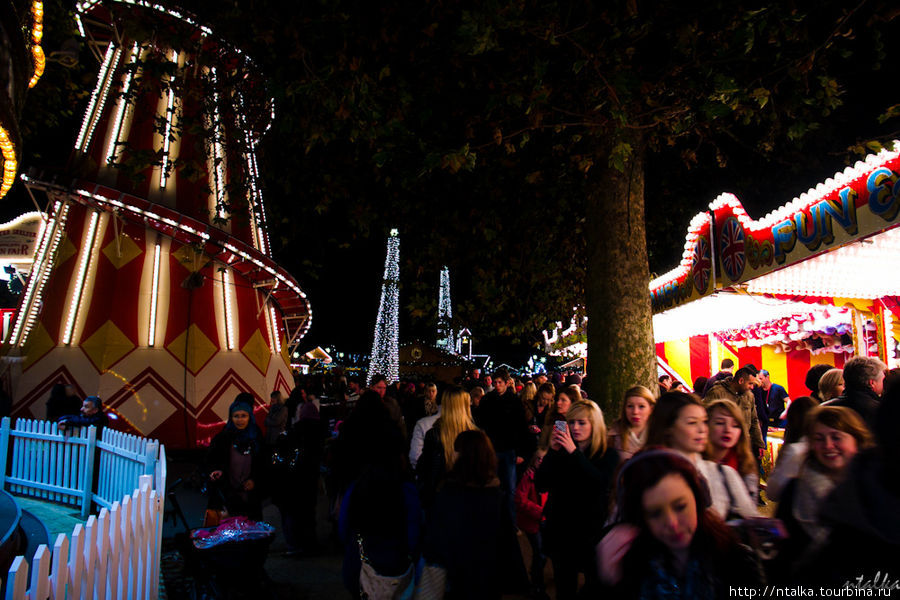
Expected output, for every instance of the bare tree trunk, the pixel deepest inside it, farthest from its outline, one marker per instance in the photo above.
(621, 352)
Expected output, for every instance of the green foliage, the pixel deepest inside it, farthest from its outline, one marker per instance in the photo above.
(480, 129)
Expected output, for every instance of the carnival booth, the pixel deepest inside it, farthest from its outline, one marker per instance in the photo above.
(813, 282)
(151, 281)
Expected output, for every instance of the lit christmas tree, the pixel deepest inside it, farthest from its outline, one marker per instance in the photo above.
(445, 313)
(385, 348)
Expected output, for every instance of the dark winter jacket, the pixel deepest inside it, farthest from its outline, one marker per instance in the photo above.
(578, 500)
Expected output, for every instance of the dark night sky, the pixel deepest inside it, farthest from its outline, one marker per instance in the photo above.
(345, 299)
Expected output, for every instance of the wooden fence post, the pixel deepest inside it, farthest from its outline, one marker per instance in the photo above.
(87, 484)
(40, 573)
(4, 450)
(60, 576)
(17, 579)
(115, 549)
(76, 561)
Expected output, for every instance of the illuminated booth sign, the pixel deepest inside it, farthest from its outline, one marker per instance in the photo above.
(19, 237)
(859, 202)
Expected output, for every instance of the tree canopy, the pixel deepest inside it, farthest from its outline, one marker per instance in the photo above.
(525, 144)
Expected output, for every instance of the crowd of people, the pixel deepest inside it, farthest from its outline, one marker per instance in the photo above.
(432, 485)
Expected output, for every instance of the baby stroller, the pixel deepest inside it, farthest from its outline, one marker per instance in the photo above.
(227, 560)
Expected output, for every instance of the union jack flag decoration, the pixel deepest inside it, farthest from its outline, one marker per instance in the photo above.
(701, 265)
(732, 246)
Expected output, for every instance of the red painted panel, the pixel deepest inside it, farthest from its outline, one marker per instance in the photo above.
(751, 356)
(700, 356)
(840, 359)
(798, 362)
(661, 350)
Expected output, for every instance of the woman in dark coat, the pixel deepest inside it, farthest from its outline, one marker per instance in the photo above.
(236, 462)
(578, 474)
(295, 466)
(463, 533)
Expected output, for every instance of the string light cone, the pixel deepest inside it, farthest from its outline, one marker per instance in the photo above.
(385, 346)
(445, 313)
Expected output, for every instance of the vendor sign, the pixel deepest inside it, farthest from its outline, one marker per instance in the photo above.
(859, 202)
(19, 237)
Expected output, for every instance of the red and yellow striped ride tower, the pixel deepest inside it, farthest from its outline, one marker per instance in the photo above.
(153, 285)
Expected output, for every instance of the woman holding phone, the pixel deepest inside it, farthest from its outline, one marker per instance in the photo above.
(554, 414)
(577, 473)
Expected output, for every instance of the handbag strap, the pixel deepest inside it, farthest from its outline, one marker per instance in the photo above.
(731, 503)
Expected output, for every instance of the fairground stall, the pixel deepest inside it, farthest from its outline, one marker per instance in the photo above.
(813, 282)
(151, 279)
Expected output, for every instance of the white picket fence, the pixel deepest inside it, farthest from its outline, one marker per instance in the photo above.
(114, 555)
(58, 466)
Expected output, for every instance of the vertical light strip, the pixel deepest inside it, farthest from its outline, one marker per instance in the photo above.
(229, 313)
(99, 96)
(86, 253)
(121, 108)
(268, 318)
(154, 295)
(37, 34)
(218, 151)
(43, 258)
(170, 109)
(276, 329)
(263, 225)
(80, 25)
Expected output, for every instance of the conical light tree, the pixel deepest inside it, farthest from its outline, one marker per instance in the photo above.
(385, 347)
(445, 313)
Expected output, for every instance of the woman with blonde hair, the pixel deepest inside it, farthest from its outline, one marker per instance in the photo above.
(578, 471)
(835, 434)
(729, 442)
(437, 453)
(629, 433)
(831, 385)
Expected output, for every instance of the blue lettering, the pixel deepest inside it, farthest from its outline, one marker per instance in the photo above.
(844, 212)
(882, 188)
(784, 235)
(811, 239)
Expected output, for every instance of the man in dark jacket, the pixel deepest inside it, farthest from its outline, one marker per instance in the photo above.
(91, 414)
(863, 386)
(502, 417)
(726, 371)
(737, 389)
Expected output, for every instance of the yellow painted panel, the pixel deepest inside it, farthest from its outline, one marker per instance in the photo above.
(678, 355)
(826, 358)
(721, 353)
(776, 364)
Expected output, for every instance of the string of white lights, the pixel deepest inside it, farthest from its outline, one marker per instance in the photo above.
(48, 239)
(385, 358)
(121, 108)
(228, 309)
(154, 295)
(98, 97)
(167, 132)
(94, 199)
(217, 150)
(87, 251)
(445, 312)
(276, 338)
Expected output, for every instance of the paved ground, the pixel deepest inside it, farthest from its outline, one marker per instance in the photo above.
(56, 518)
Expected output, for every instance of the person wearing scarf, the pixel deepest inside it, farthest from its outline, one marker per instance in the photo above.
(236, 462)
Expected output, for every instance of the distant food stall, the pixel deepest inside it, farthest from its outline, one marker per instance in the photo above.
(813, 282)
